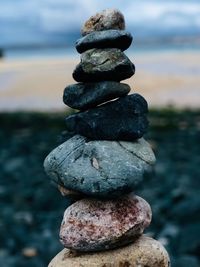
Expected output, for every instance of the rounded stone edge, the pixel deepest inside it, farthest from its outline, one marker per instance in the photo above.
(121, 39)
(118, 18)
(107, 95)
(145, 251)
(118, 73)
(128, 235)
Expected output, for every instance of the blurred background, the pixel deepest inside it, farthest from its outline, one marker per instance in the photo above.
(37, 58)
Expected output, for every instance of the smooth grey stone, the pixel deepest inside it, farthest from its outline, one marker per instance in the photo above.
(104, 169)
(104, 39)
(88, 95)
(105, 20)
(122, 119)
(103, 64)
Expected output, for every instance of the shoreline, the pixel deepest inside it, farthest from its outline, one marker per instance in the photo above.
(163, 78)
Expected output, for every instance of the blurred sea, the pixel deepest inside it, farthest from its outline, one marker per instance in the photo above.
(51, 27)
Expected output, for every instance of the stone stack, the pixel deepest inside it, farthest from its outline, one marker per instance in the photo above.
(106, 157)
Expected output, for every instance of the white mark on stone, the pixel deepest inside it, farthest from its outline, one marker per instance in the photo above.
(95, 163)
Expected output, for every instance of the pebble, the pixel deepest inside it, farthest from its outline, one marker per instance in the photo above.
(104, 39)
(95, 225)
(105, 20)
(122, 119)
(99, 168)
(103, 64)
(145, 251)
(88, 95)
(29, 252)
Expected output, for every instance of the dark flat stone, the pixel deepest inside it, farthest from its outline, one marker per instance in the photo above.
(123, 119)
(104, 39)
(103, 64)
(87, 95)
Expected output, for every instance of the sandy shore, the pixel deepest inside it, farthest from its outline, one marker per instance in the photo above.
(162, 78)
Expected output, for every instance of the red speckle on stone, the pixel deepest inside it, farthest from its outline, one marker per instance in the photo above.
(90, 222)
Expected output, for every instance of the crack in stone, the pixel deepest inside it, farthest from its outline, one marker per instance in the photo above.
(105, 61)
(97, 20)
(69, 153)
(120, 144)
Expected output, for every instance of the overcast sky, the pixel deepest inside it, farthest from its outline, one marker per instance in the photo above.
(34, 18)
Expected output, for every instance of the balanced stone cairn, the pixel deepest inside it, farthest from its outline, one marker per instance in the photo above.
(106, 157)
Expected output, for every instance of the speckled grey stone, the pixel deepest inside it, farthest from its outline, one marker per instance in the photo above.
(99, 168)
(104, 20)
(122, 119)
(88, 95)
(103, 64)
(104, 39)
(95, 225)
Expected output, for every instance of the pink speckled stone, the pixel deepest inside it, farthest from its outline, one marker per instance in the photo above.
(94, 225)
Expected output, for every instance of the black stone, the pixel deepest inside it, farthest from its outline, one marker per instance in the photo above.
(123, 119)
(103, 64)
(87, 95)
(104, 39)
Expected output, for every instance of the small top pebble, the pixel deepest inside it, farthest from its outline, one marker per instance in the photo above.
(106, 20)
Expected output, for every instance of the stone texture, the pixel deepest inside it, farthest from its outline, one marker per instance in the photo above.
(123, 119)
(95, 225)
(104, 39)
(87, 95)
(103, 64)
(70, 193)
(105, 20)
(144, 252)
(99, 168)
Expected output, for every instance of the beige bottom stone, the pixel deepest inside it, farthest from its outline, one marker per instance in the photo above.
(144, 252)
